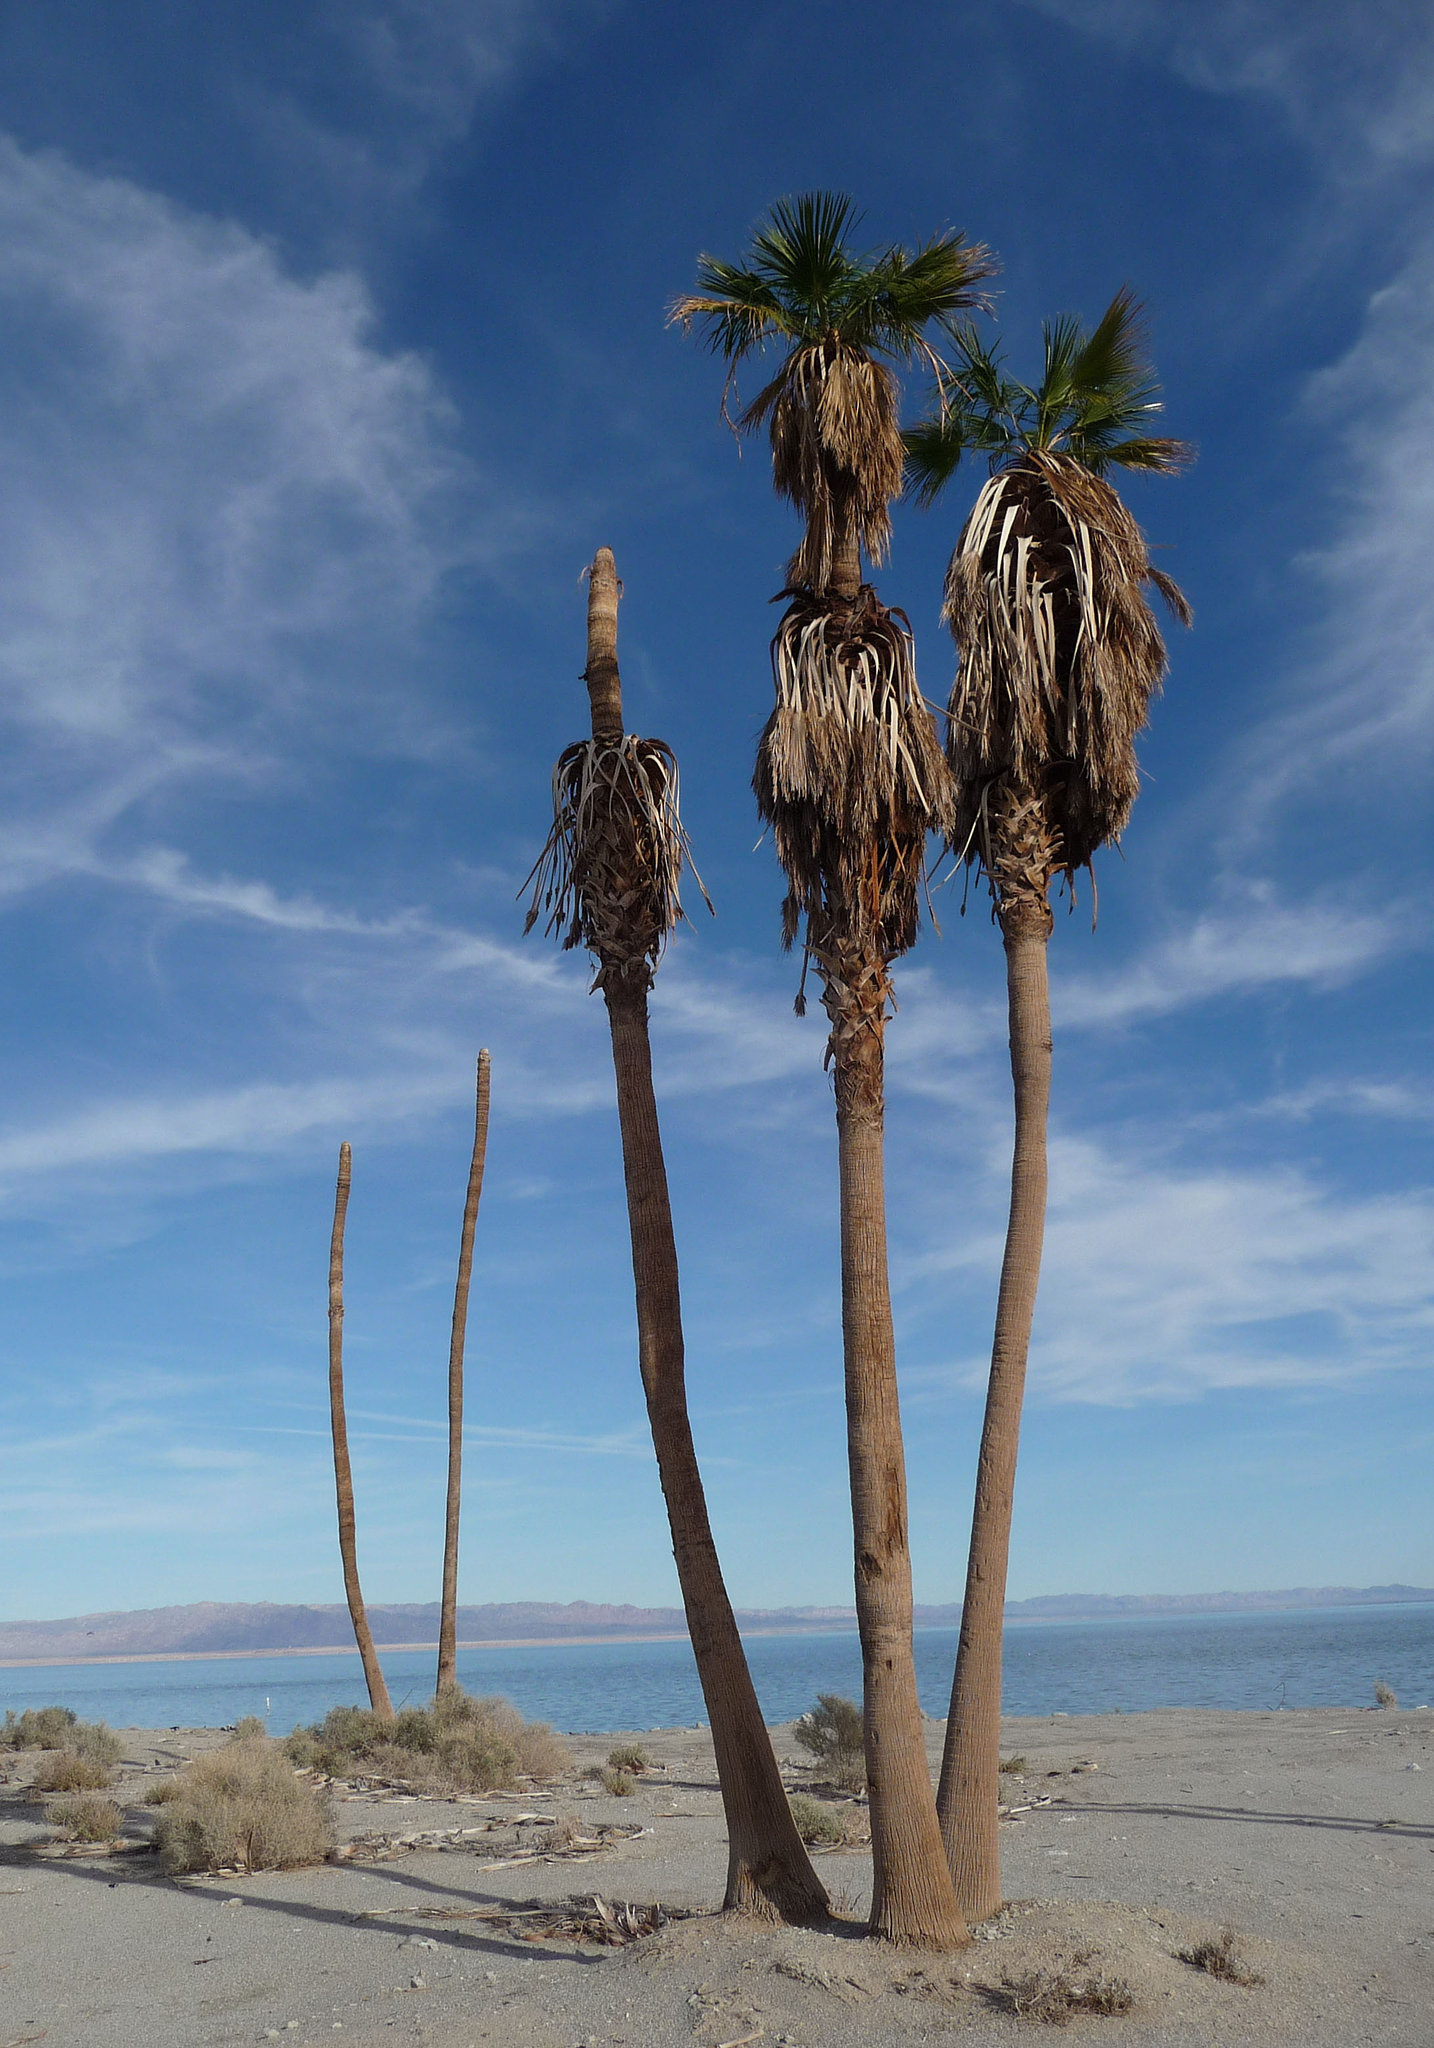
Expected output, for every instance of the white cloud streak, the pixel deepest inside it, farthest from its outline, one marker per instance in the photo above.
(1161, 1282)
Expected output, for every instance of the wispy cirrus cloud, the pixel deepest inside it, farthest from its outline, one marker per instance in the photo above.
(1162, 1281)
(228, 511)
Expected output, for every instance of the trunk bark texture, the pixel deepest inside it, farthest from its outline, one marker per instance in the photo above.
(912, 1897)
(768, 1870)
(969, 1790)
(448, 1617)
(343, 1475)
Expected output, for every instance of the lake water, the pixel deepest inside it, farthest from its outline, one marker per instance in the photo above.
(1329, 1658)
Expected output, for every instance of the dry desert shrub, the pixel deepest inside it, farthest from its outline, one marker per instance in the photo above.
(1056, 1997)
(1015, 1766)
(458, 1744)
(832, 1733)
(83, 1817)
(628, 1757)
(163, 1792)
(38, 1728)
(819, 1826)
(1385, 1695)
(250, 1728)
(242, 1807)
(619, 1784)
(1220, 1958)
(58, 1728)
(68, 1770)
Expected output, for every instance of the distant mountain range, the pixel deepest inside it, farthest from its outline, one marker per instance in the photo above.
(225, 1629)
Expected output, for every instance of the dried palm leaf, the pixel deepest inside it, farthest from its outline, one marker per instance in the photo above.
(608, 876)
(1060, 656)
(851, 778)
(837, 452)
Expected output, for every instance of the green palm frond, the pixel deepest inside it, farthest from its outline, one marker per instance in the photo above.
(802, 282)
(1095, 404)
(832, 410)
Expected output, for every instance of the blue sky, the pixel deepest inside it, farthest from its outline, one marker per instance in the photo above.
(334, 345)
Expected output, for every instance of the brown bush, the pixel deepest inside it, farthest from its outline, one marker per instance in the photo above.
(65, 1770)
(618, 1784)
(38, 1728)
(1219, 1957)
(85, 1818)
(242, 1807)
(1056, 1997)
(458, 1744)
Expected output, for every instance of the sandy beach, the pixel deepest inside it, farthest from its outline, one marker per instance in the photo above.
(457, 1922)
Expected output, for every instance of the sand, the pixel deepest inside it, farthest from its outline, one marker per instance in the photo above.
(1131, 1838)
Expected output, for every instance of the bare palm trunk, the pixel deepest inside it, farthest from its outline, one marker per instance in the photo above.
(912, 1899)
(768, 1869)
(968, 1795)
(448, 1615)
(343, 1475)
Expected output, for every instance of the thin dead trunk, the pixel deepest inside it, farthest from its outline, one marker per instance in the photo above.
(968, 1795)
(343, 1475)
(448, 1615)
(912, 1898)
(768, 1869)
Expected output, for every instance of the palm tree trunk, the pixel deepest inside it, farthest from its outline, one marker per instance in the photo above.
(968, 1795)
(768, 1870)
(343, 1475)
(912, 1898)
(448, 1614)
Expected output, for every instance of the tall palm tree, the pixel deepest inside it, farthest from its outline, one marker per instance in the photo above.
(851, 778)
(1059, 656)
(343, 1472)
(608, 878)
(448, 1611)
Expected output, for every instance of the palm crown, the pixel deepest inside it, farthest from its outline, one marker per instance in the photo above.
(831, 409)
(1094, 404)
(1059, 651)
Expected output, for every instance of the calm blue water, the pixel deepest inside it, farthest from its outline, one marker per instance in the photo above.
(1329, 1659)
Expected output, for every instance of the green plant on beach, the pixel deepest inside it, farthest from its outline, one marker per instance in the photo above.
(819, 1826)
(628, 1756)
(851, 779)
(832, 1733)
(1058, 655)
(617, 1784)
(457, 1744)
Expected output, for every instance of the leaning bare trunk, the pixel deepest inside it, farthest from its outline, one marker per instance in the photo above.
(343, 1475)
(912, 1900)
(967, 1799)
(448, 1615)
(768, 1870)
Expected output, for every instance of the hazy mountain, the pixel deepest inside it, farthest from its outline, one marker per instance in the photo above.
(220, 1628)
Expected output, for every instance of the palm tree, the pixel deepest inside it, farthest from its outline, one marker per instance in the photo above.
(608, 877)
(851, 779)
(1059, 656)
(448, 1612)
(343, 1473)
